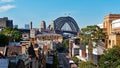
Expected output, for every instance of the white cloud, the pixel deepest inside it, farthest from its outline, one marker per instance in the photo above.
(6, 8)
(6, 0)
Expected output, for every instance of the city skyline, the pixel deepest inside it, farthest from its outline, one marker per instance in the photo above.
(83, 11)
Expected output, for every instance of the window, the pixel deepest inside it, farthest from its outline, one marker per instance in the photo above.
(109, 42)
(76, 51)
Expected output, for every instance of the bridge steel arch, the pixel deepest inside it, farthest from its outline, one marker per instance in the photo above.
(59, 22)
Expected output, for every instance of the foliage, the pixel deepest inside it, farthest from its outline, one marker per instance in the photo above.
(87, 64)
(66, 43)
(111, 58)
(91, 33)
(118, 66)
(7, 31)
(3, 40)
(55, 60)
(14, 34)
(75, 59)
(90, 48)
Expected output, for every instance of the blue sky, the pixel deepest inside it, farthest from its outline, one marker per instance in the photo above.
(85, 12)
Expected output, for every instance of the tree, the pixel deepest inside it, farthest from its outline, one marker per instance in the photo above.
(3, 40)
(87, 64)
(13, 34)
(111, 58)
(91, 33)
(75, 59)
(55, 59)
(7, 31)
(66, 43)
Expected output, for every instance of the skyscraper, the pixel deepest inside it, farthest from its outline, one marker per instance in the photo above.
(27, 26)
(4, 22)
(43, 26)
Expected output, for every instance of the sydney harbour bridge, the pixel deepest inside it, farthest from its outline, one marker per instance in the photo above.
(64, 25)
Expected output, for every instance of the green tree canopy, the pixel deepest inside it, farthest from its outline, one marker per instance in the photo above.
(75, 59)
(7, 31)
(111, 58)
(55, 60)
(66, 43)
(3, 40)
(91, 33)
(87, 64)
(14, 34)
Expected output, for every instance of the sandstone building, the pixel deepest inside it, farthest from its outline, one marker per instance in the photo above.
(111, 27)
